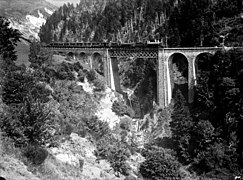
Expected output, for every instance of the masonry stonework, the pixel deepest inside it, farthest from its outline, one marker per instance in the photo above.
(163, 56)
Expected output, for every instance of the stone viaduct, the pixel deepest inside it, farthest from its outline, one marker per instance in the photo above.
(109, 56)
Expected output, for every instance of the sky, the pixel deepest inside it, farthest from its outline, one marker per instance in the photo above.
(61, 2)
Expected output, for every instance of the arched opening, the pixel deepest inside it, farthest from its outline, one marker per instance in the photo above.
(97, 63)
(83, 58)
(70, 55)
(60, 53)
(178, 72)
(202, 64)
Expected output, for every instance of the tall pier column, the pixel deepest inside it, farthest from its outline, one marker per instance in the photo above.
(90, 60)
(115, 79)
(162, 80)
(112, 73)
(107, 72)
(191, 78)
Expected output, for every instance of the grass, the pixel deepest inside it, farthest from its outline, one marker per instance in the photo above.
(12, 159)
(50, 169)
(22, 50)
(54, 169)
(7, 147)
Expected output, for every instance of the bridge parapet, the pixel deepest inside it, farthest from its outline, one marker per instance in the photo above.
(192, 50)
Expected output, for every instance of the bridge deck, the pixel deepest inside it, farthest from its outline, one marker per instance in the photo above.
(128, 46)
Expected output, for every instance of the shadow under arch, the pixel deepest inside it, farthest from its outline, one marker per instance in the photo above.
(203, 64)
(178, 74)
(70, 55)
(97, 63)
(61, 53)
(83, 58)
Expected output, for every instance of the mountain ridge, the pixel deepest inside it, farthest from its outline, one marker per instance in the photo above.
(26, 15)
(13, 8)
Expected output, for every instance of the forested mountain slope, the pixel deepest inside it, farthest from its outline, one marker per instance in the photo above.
(175, 23)
(51, 116)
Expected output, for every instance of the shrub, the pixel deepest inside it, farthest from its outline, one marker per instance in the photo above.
(77, 66)
(80, 130)
(96, 127)
(27, 123)
(115, 152)
(7, 146)
(159, 164)
(121, 109)
(67, 128)
(65, 72)
(91, 75)
(18, 84)
(81, 75)
(216, 157)
(126, 124)
(99, 85)
(35, 154)
(81, 164)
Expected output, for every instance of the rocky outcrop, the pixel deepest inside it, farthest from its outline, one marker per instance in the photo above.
(13, 169)
(78, 152)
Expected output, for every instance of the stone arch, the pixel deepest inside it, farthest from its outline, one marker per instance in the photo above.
(98, 63)
(202, 63)
(83, 58)
(70, 55)
(60, 53)
(178, 66)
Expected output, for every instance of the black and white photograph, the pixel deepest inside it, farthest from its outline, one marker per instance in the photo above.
(121, 89)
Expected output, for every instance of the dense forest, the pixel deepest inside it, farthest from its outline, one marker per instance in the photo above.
(199, 140)
(175, 23)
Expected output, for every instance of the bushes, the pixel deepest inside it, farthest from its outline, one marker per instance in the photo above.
(18, 84)
(35, 154)
(96, 127)
(25, 119)
(121, 109)
(91, 75)
(65, 71)
(159, 164)
(7, 146)
(126, 123)
(81, 130)
(67, 128)
(115, 152)
(27, 123)
(99, 85)
(81, 75)
(108, 147)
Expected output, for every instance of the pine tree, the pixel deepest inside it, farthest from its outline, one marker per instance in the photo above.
(8, 40)
(181, 127)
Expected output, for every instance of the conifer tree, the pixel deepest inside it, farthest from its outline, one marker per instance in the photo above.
(8, 40)
(181, 127)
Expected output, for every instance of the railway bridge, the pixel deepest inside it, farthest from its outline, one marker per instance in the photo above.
(175, 66)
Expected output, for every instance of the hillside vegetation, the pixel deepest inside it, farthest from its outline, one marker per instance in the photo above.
(51, 113)
(175, 23)
(49, 127)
